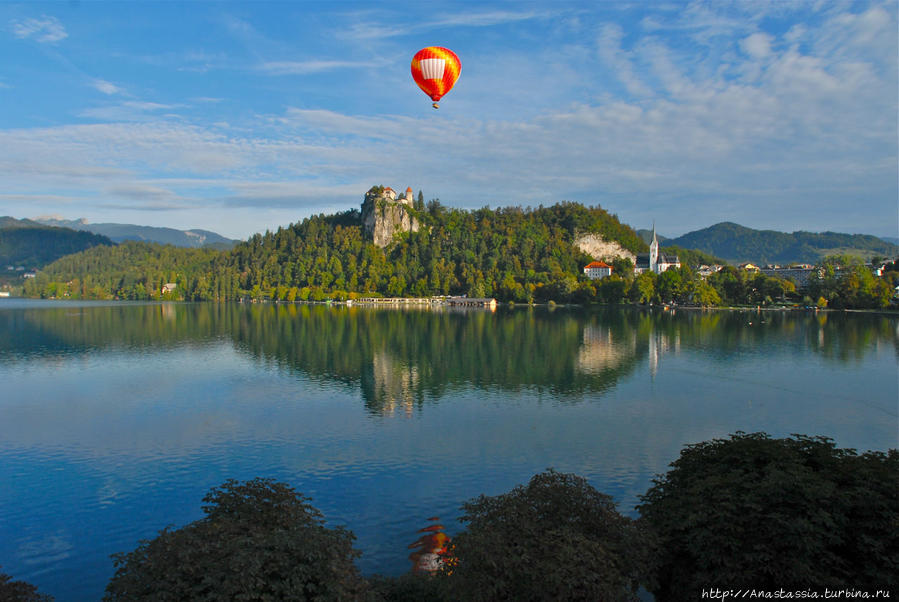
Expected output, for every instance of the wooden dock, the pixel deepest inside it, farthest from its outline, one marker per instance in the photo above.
(486, 302)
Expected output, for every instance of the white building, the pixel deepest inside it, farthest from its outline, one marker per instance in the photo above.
(597, 269)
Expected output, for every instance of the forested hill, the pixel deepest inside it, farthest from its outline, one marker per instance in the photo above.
(32, 245)
(738, 243)
(509, 253)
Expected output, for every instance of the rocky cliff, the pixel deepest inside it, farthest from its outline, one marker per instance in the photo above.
(598, 248)
(384, 215)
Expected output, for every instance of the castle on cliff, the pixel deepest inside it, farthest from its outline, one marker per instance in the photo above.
(405, 199)
(386, 214)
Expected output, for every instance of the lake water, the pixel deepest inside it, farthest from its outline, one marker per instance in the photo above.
(116, 419)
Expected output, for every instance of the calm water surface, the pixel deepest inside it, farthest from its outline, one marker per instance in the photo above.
(116, 419)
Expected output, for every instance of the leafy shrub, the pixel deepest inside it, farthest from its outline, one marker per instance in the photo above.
(557, 538)
(259, 540)
(20, 591)
(763, 513)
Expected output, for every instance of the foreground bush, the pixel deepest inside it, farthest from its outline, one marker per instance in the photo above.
(557, 538)
(259, 540)
(19, 591)
(763, 513)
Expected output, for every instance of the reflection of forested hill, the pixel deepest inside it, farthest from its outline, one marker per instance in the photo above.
(70, 328)
(835, 335)
(399, 357)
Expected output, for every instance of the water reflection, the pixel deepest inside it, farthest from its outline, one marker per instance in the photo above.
(399, 358)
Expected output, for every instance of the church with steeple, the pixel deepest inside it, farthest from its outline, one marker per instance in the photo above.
(654, 261)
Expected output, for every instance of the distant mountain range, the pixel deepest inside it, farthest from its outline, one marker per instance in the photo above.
(30, 245)
(737, 244)
(122, 232)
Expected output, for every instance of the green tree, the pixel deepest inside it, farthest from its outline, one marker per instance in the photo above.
(557, 538)
(20, 591)
(613, 289)
(755, 512)
(259, 540)
(643, 288)
(669, 285)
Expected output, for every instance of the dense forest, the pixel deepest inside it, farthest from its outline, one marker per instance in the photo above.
(513, 254)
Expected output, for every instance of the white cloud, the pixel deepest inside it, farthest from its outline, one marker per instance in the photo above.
(307, 67)
(132, 110)
(140, 191)
(485, 18)
(366, 27)
(47, 29)
(106, 87)
(619, 61)
(757, 45)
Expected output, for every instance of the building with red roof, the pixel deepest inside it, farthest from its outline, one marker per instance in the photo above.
(597, 269)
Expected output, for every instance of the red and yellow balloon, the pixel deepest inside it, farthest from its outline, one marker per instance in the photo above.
(435, 70)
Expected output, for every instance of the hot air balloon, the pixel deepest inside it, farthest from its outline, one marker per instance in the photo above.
(435, 70)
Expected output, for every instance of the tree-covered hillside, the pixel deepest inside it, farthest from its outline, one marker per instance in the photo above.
(509, 253)
(31, 245)
(136, 270)
(737, 243)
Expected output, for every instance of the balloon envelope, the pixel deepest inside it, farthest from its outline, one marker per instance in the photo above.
(435, 70)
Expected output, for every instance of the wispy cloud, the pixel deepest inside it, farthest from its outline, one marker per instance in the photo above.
(365, 28)
(106, 87)
(312, 66)
(46, 29)
(132, 110)
(485, 19)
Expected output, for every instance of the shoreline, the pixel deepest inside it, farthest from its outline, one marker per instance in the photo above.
(409, 302)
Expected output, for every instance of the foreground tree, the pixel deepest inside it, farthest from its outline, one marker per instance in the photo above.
(557, 538)
(259, 540)
(763, 513)
(20, 591)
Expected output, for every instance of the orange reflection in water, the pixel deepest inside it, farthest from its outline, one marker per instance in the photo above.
(430, 548)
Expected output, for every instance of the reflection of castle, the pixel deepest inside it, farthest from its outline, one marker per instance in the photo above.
(392, 384)
(600, 351)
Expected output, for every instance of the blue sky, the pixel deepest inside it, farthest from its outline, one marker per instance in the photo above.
(239, 117)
